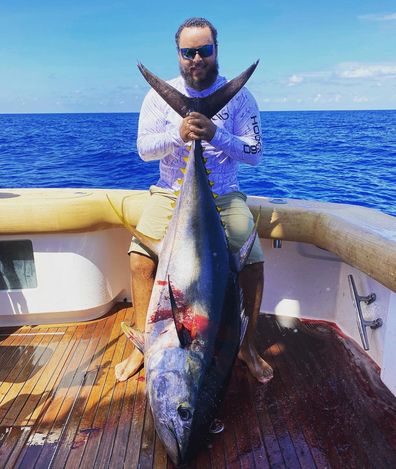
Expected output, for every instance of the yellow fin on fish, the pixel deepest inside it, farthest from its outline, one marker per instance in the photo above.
(183, 170)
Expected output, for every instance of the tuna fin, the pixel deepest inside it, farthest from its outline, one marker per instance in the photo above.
(151, 245)
(182, 332)
(243, 254)
(208, 106)
(176, 100)
(244, 325)
(135, 336)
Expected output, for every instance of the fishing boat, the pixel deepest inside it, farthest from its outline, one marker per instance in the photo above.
(328, 328)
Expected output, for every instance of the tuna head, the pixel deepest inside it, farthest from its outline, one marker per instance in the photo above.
(175, 380)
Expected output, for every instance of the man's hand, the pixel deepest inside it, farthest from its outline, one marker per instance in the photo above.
(196, 126)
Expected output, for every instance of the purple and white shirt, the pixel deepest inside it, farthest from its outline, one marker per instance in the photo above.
(237, 138)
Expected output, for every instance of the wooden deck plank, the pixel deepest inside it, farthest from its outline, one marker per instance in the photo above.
(286, 388)
(85, 424)
(71, 401)
(16, 451)
(137, 421)
(9, 345)
(105, 388)
(250, 417)
(25, 367)
(31, 377)
(17, 367)
(124, 423)
(350, 390)
(68, 434)
(160, 456)
(146, 457)
(288, 373)
(38, 439)
(44, 384)
(322, 409)
(111, 400)
(304, 374)
(240, 386)
(40, 400)
(227, 415)
(292, 370)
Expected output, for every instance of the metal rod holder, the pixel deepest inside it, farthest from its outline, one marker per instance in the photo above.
(276, 243)
(361, 322)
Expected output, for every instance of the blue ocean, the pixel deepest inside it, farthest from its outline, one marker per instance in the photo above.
(335, 156)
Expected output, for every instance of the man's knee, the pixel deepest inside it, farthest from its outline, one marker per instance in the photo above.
(142, 266)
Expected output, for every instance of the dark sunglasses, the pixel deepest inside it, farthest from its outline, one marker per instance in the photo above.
(204, 51)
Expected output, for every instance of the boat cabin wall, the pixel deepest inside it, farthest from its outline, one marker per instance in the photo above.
(67, 276)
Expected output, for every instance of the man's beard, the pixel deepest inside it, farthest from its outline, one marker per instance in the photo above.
(200, 83)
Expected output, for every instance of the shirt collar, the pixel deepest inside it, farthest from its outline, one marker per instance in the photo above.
(220, 81)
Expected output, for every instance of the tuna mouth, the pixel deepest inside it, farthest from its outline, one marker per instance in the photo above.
(172, 430)
(179, 456)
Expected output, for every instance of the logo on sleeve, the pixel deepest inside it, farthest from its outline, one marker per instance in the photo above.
(253, 149)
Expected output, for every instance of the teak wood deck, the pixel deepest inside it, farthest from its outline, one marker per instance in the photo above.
(60, 405)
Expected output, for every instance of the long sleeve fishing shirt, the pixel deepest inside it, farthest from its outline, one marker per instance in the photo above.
(237, 138)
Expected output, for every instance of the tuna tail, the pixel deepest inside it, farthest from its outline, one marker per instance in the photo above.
(208, 106)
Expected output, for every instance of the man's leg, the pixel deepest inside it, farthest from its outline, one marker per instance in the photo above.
(251, 280)
(143, 270)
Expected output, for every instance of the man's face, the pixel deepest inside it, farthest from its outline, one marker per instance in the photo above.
(200, 72)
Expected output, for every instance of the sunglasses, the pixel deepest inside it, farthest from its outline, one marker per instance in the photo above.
(204, 51)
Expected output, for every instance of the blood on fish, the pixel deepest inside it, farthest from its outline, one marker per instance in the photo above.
(160, 315)
(196, 324)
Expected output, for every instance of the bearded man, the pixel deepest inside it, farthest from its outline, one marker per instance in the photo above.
(231, 137)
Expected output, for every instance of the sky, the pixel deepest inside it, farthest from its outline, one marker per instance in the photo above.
(80, 56)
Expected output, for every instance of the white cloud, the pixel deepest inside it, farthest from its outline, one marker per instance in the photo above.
(295, 80)
(378, 17)
(358, 70)
(360, 99)
(343, 73)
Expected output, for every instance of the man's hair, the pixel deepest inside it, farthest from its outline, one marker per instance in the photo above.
(196, 23)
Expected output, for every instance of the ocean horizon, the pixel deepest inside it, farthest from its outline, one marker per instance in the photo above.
(332, 156)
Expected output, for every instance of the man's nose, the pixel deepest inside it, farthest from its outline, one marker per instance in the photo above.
(197, 57)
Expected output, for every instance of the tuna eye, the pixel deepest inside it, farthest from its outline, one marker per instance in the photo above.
(184, 413)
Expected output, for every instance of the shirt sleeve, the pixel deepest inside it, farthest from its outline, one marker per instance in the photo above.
(157, 138)
(244, 143)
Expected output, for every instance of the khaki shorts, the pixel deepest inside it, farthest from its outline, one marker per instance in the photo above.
(235, 214)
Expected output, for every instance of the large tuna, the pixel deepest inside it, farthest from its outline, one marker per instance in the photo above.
(195, 319)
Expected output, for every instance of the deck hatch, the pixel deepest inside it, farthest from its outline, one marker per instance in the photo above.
(17, 269)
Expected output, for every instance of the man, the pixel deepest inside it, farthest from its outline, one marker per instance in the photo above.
(232, 136)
